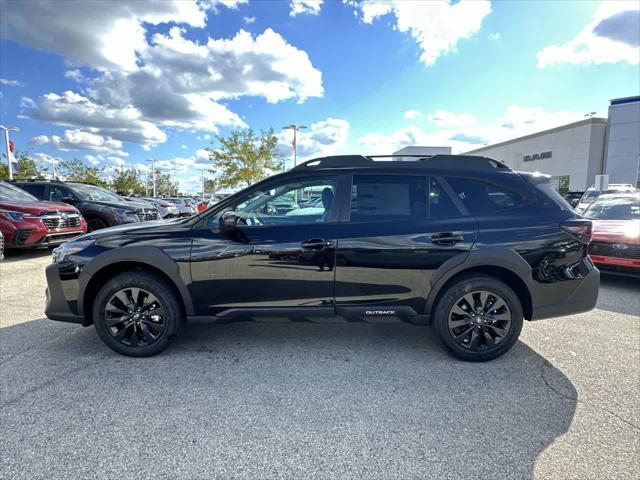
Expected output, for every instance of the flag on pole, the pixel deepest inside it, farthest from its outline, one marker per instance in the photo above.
(12, 159)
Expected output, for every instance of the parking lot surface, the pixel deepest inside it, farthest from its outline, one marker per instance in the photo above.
(250, 400)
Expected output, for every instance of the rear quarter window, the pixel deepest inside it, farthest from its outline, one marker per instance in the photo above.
(480, 196)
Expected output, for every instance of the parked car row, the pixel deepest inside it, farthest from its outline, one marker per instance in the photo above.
(46, 213)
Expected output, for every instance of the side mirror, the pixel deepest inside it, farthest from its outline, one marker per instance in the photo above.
(69, 200)
(228, 220)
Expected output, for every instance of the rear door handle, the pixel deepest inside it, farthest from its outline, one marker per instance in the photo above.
(446, 238)
(316, 243)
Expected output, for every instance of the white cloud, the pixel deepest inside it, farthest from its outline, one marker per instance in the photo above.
(437, 25)
(75, 75)
(80, 140)
(120, 123)
(183, 146)
(326, 137)
(94, 159)
(495, 36)
(249, 20)
(202, 155)
(445, 119)
(148, 82)
(27, 102)
(311, 7)
(96, 33)
(516, 121)
(612, 35)
(11, 83)
(411, 114)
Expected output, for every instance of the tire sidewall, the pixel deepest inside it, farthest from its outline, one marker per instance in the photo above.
(462, 287)
(157, 287)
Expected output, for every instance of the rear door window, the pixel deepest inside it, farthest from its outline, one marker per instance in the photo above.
(379, 197)
(480, 196)
(37, 190)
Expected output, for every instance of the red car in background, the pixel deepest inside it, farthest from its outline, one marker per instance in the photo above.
(615, 238)
(26, 222)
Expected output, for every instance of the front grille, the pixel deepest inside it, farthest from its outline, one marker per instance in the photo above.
(147, 214)
(60, 220)
(615, 249)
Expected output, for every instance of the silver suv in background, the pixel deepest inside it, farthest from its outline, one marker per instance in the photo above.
(166, 208)
(592, 194)
(185, 206)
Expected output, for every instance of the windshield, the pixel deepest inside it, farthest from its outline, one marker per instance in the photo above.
(615, 208)
(97, 194)
(9, 192)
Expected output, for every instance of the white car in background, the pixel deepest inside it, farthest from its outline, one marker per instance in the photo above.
(167, 209)
(592, 194)
(185, 206)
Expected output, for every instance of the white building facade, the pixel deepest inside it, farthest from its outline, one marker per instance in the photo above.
(574, 154)
(622, 149)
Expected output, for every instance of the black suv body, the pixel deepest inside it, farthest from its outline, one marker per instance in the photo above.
(461, 242)
(101, 208)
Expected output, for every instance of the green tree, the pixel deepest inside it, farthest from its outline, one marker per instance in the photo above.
(165, 186)
(76, 171)
(128, 182)
(27, 167)
(245, 157)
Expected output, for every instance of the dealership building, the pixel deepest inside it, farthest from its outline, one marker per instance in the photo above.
(574, 154)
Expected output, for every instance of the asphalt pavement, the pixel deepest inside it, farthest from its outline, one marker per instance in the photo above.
(252, 400)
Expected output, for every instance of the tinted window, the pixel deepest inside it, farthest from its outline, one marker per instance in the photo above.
(35, 190)
(388, 196)
(482, 197)
(440, 203)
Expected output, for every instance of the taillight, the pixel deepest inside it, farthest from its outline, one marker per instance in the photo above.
(581, 229)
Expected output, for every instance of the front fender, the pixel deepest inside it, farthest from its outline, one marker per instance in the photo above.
(153, 257)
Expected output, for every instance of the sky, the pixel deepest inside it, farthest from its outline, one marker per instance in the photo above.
(116, 83)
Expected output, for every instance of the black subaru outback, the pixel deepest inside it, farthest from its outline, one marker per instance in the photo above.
(461, 242)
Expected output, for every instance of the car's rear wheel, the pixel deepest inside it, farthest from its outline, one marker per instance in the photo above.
(95, 224)
(137, 314)
(478, 318)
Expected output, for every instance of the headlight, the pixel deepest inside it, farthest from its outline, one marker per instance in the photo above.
(69, 248)
(15, 216)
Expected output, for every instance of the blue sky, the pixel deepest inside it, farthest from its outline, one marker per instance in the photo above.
(116, 83)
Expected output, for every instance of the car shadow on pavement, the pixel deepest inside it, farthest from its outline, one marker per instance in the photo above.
(622, 294)
(292, 400)
(11, 256)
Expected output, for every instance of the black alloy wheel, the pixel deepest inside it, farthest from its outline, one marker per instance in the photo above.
(479, 320)
(478, 317)
(138, 313)
(134, 317)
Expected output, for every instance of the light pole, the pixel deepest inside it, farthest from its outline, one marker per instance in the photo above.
(153, 172)
(202, 171)
(294, 144)
(53, 166)
(8, 150)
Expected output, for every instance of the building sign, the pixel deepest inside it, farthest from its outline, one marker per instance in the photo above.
(536, 156)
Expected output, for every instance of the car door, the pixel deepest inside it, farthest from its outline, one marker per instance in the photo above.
(271, 255)
(398, 231)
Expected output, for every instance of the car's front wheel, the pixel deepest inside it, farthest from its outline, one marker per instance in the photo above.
(478, 318)
(137, 314)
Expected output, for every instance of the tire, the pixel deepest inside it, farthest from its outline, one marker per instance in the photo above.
(468, 326)
(146, 329)
(94, 224)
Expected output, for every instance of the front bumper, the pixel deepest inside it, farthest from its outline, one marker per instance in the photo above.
(582, 298)
(29, 238)
(57, 307)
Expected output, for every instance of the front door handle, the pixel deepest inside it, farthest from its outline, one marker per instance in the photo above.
(446, 238)
(316, 243)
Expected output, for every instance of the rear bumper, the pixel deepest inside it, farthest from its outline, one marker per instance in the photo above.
(582, 298)
(56, 305)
